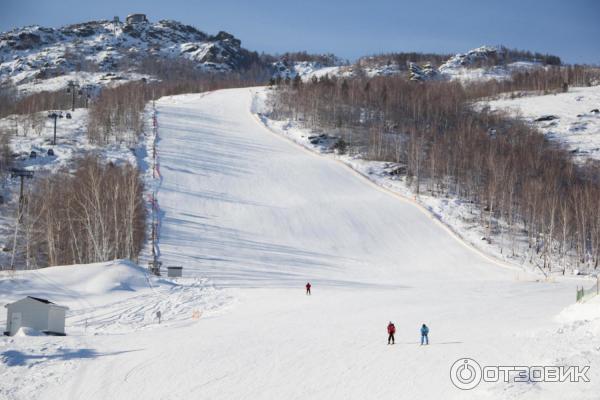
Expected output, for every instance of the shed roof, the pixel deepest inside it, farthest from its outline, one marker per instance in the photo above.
(38, 299)
(41, 300)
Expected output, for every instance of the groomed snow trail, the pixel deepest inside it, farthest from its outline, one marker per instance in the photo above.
(245, 207)
(260, 216)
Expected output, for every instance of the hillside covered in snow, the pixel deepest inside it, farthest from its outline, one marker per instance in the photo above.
(103, 53)
(571, 118)
(112, 50)
(479, 64)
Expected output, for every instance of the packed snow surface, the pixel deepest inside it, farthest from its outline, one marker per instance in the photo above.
(259, 216)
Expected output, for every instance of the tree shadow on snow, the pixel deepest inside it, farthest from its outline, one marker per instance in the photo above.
(13, 358)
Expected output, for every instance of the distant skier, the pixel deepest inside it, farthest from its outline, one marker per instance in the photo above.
(308, 285)
(391, 329)
(424, 333)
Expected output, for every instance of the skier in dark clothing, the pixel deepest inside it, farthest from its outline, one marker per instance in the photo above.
(308, 285)
(391, 329)
(424, 333)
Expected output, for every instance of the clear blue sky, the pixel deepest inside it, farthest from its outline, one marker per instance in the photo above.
(351, 28)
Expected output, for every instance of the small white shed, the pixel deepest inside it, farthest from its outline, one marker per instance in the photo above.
(39, 314)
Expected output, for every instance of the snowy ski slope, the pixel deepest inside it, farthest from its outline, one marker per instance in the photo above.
(259, 216)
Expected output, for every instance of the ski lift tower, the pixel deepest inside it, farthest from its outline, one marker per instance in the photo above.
(54, 115)
(23, 174)
(73, 88)
(85, 91)
(154, 266)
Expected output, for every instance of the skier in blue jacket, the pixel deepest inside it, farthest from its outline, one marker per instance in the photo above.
(424, 333)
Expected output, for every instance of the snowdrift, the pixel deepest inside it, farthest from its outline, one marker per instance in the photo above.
(73, 284)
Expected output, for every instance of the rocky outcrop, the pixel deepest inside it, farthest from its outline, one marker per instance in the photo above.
(36, 52)
(422, 73)
(482, 56)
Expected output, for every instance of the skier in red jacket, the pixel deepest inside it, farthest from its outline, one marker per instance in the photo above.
(391, 329)
(308, 288)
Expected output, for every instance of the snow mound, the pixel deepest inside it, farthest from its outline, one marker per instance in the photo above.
(67, 285)
(587, 311)
(114, 297)
(26, 331)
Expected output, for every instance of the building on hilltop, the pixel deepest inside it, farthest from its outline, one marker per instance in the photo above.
(136, 19)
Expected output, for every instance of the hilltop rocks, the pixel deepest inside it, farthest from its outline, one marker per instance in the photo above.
(482, 55)
(25, 40)
(38, 53)
(83, 30)
(422, 73)
(227, 38)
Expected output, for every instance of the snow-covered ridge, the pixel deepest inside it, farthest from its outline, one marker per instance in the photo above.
(481, 54)
(37, 53)
(482, 63)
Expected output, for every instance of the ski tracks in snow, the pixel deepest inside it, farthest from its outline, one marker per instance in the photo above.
(177, 303)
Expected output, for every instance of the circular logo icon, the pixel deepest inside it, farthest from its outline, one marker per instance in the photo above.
(465, 373)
